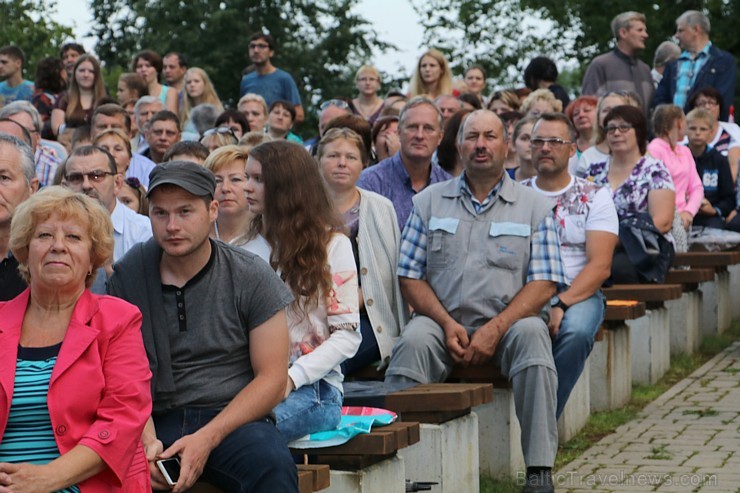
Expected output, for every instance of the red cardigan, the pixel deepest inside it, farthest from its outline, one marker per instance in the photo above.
(99, 394)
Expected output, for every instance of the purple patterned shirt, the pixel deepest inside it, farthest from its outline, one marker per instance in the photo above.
(632, 196)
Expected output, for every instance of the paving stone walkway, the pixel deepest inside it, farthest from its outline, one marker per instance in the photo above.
(688, 440)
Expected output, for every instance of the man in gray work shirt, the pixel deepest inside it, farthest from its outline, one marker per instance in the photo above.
(216, 336)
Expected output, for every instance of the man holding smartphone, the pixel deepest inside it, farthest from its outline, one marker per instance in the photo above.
(216, 336)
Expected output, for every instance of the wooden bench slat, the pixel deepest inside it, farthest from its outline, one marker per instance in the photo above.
(643, 292)
(437, 397)
(305, 482)
(320, 475)
(624, 311)
(689, 276)
(706, 259)
(382, 441)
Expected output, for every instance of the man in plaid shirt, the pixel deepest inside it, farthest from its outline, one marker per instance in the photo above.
(480, 259)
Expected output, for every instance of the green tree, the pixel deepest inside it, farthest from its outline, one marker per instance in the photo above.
(500, 35)
(503, 35)
(27, 24)
(321, 43)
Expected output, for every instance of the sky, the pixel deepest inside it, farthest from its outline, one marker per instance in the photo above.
(401, 29)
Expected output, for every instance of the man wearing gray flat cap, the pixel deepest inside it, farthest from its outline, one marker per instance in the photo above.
(216, 336)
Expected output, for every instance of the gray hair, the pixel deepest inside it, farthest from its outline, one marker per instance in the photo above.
(25, 154)
(22, 107)
(204, 117)
(461, 130)
(695, 18)
(667, 51)
(145, 101)
(623, 21)
(418, 101)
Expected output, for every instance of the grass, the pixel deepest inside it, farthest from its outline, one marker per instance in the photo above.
(604, 423)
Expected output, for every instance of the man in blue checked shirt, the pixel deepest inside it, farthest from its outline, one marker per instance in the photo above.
(480, 259)
(701, 64)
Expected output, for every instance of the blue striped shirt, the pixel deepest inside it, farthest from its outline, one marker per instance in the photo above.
(29, 436)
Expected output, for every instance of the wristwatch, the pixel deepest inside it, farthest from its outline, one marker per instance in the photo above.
(557, 302)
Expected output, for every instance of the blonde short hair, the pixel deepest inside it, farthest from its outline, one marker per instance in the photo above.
(541, 95)
(224, 156)
(254, 98)
(367, 69)
(66, 204)
(118, 133)
(251, 140)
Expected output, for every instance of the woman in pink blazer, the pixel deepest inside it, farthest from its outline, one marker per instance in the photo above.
(74, 357)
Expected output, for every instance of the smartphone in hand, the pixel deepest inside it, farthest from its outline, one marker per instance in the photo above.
(170, 469)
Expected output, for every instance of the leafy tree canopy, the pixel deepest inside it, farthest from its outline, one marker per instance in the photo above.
(503, 35)
(27, 24)
(321, 43)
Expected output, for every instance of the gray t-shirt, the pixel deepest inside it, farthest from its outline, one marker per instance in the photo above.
(208, 323)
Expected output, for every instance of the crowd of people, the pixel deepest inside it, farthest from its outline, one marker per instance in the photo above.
(181, 279)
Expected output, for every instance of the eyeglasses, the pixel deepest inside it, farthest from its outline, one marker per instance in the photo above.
(219, 130)
(334, 102)
(367, 79)
(554, 143)
(703, 103)
(96, 176)
(623, 128)
(258, 46)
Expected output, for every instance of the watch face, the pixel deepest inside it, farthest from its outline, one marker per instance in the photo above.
(554, 300)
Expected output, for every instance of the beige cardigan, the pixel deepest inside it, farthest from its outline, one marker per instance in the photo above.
(379, 242)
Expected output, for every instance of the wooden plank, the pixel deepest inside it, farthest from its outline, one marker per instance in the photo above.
(643, 292)
(351, 462)
(690, 276)
(437, 397)
(620, 310)
(433, 417)
(377, 442)
(381, 441)
(320, 473)
(706, 259)
(483, 373)
(305, 482)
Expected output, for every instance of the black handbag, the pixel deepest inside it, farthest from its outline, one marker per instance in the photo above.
(647, 249)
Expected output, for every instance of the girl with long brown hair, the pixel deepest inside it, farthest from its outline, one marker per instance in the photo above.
(75, 108)
(300, 235)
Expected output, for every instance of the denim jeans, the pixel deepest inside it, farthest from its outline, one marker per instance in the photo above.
(309, 409)
(253, 458)
(574, 342)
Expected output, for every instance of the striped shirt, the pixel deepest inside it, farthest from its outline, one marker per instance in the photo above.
(29, 436)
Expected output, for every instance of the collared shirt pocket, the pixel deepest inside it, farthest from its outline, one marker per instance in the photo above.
(508, 242)
(443, 247)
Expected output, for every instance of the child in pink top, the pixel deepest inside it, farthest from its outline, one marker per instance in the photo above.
(669, 125)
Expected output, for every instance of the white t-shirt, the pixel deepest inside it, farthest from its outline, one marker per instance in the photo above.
(589, 156)
(581, 206)
(258, 246)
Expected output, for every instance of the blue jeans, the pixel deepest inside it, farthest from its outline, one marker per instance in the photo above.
(309, 409)
(253, 458)
(574, 342)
